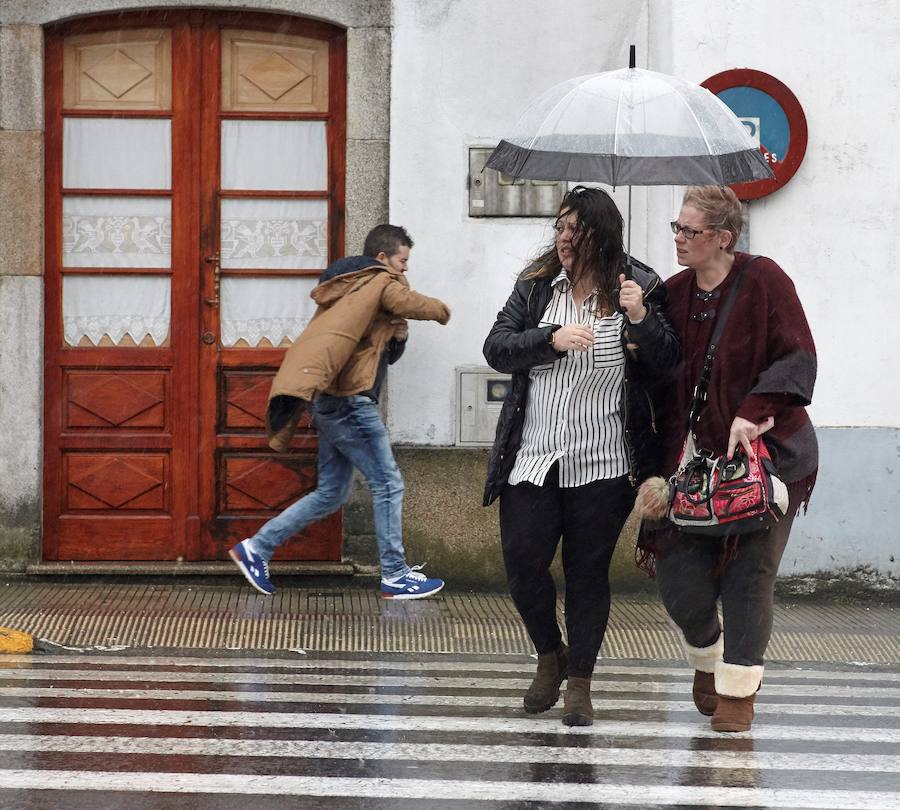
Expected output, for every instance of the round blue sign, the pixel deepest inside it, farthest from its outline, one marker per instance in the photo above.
(774, 119)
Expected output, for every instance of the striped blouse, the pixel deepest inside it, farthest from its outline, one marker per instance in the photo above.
(573, 414)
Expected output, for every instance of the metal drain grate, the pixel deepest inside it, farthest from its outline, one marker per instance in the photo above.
(355, 619)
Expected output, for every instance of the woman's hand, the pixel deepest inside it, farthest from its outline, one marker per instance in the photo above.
(573, 337)
(631, 299)
(743, 432)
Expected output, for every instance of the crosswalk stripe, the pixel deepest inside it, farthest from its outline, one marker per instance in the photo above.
(248, 784)
(428, 723)
(306, 662)
(326, 730)
(602, 704)
(462, 681)
(438, 752)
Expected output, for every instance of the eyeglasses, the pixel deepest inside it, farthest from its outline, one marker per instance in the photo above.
(689, 233)
(571, 227)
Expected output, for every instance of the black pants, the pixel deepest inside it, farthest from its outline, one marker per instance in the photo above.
(689, 587)
(589, 519)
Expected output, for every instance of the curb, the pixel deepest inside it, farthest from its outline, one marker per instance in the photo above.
(13, 641)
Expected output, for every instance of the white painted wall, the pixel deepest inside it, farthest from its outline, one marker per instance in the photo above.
(834, 228)
(464, 69)
(462, 72)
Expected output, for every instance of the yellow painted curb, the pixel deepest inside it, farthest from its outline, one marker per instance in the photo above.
(12, 641)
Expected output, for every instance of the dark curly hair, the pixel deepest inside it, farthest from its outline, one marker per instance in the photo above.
(598, 250)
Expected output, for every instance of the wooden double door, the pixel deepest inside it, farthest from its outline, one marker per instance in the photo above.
(194, 192)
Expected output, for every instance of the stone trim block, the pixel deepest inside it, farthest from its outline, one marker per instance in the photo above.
(369, 84)
(21, 77)
(21, 204)
(367, 190)
(21, 386)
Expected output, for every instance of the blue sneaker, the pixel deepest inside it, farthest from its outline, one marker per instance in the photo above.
(254, 567)
(413, 585)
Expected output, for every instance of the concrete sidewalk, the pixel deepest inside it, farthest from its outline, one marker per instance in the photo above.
(344, 616)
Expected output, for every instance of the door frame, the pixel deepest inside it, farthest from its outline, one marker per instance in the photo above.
(190, 378)
(215, 536)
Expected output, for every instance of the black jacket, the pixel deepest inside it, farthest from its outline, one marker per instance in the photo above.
(516, 343)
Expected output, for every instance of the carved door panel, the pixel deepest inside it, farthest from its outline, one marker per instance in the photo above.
(194, 180)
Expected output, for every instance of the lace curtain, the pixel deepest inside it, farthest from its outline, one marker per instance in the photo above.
(117, 153)
(274, 155)
(274, 234)
(117, 232)
(94, 306)
(271, 234)
(136, 232)
(272, 308)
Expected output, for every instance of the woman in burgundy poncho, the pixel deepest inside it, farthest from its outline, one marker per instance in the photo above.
(762, 379)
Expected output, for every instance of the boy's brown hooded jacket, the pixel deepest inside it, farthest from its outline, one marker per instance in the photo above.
(338, 352)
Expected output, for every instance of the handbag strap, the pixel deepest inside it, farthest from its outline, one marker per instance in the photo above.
(699, 397)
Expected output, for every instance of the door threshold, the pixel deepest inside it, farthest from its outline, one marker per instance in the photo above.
(191, 569)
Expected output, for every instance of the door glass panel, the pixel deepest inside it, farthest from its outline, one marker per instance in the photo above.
(125, 310)
(274, 234)
(117, 232)
(117, 153)
(274, 155)
(267, 311)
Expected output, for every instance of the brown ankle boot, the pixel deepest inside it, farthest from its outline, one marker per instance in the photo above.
(705, 696)
(704, 661)
(733, 714)
(552, 670)
(577, 708)
(737, 686)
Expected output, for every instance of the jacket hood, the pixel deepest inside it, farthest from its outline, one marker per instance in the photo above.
(345, 275)
(349, 264)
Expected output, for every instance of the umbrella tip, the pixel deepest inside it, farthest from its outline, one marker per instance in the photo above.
(631, 60)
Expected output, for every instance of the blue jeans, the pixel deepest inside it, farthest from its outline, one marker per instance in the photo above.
(351, 434)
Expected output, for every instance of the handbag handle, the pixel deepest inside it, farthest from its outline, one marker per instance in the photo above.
(699, 396)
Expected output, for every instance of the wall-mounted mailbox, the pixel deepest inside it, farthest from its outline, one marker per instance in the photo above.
(480, 395)
(494, 194)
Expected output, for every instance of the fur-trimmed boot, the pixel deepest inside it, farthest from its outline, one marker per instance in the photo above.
(577, 708)
(737, 687)
(552, 670)
(704, 660)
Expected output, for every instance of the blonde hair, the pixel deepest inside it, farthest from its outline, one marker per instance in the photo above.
(720, 208)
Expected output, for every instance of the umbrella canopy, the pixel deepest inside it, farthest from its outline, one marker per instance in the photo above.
(630, 127)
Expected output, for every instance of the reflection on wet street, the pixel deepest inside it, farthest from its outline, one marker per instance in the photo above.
(345, 730)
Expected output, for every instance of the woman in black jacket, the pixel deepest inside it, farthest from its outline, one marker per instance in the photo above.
(586, 338)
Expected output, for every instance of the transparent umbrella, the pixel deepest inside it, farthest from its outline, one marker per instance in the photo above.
(630, 127)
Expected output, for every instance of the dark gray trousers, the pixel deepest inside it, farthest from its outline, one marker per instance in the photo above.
(588, 519)
(690, 587)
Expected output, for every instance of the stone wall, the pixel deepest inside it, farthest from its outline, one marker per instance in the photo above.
(445, 524)
(21, 290)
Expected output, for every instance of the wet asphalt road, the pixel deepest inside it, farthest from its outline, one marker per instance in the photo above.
(430, 731)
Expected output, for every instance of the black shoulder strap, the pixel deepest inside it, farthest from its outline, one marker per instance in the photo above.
(699, 397)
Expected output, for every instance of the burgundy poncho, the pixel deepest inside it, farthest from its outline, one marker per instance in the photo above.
(765, 366)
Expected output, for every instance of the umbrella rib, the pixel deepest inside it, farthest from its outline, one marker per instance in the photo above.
(555, 108)
(615, 149)
(696, 120)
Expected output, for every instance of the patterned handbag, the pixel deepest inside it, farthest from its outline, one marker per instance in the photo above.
(720, 496)
(712, 494)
